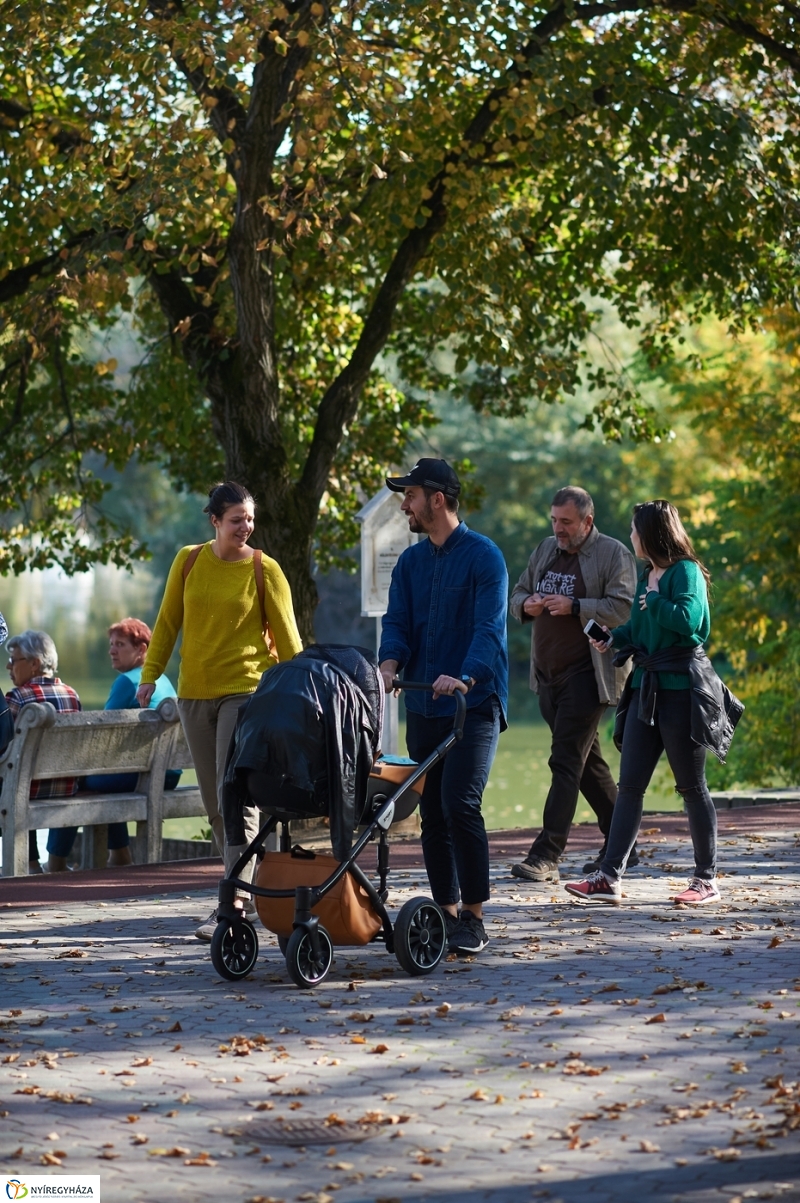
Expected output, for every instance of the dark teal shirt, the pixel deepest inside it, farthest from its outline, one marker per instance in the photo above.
(676, 616)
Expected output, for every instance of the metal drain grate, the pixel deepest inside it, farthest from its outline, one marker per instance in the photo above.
(303, 1132)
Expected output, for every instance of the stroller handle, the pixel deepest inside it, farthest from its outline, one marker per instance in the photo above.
(460, 699)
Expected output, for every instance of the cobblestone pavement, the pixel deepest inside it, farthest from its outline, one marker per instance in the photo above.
(642, 1053)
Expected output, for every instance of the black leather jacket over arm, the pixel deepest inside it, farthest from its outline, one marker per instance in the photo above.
(715, 710)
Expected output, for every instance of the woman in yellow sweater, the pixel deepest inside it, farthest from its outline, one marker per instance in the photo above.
(215, 594)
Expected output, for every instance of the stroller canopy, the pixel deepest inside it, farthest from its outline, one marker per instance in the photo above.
(310, 732)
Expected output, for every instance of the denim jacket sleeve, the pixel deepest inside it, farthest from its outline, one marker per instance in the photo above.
(488, 642)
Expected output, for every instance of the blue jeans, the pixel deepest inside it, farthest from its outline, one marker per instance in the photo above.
(61, 839)
(642, 746)
(454, 841)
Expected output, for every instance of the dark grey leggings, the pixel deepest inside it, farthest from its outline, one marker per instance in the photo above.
(642, 746)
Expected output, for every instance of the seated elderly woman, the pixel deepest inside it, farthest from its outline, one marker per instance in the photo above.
(128, 642)
(32, 666)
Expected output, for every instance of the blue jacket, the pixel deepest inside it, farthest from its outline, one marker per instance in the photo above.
(123, 691)
(447, 614)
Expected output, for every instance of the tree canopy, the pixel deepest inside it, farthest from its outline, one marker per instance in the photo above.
(286, 199)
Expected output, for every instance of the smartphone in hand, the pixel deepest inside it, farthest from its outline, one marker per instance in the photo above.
(596, 632)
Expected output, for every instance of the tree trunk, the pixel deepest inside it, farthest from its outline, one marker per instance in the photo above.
(290, 544)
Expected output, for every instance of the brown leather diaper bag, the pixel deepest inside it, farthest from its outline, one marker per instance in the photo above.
(346, 912)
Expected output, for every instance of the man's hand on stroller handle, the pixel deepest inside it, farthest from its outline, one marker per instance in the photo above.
(388, 671)
(442, 686)
(447, 686)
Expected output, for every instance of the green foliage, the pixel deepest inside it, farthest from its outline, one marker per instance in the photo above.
(742, 401)
(283, 198)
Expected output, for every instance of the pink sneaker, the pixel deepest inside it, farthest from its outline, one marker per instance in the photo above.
(698, 893)
(596, 888)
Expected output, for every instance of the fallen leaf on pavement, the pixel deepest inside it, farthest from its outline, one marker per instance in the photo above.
(659, 1018)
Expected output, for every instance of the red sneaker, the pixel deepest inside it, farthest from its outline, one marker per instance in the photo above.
(596, 888)
(699, 893)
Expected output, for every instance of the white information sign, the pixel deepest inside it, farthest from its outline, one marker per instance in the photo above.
(384, 538)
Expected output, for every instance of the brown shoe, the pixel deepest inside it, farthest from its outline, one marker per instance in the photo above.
(536, 868)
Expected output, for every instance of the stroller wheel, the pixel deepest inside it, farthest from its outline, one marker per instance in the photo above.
(234, 949)
(420, 936)
(306, 969)
(283, 943)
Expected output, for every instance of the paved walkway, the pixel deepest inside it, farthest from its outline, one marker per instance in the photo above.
(181, 877)
(632, 1054)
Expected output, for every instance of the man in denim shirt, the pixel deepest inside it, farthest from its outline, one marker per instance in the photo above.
(446, 624)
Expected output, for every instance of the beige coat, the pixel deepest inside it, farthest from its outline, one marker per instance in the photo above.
(609, 575)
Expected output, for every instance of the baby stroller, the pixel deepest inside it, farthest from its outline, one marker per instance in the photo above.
(306, 744)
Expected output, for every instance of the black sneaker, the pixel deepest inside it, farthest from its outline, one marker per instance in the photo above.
(469, 935)
(536, 868)
(451, 923)
(592, 866)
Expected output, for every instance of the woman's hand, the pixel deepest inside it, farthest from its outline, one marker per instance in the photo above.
(602, 647)
(144, 695)
(643, 596)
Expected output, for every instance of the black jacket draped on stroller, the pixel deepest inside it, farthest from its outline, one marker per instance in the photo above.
(305, 742)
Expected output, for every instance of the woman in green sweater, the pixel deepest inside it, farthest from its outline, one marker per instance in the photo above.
(235, 609)
(670, 618)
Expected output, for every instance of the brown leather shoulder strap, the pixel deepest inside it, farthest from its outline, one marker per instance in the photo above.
(258, 569)
(190, 560)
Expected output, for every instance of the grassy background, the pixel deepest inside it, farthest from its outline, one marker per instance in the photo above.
(518, 783)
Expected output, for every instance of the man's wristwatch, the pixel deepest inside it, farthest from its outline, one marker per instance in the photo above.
(576, 607)
(468, 681)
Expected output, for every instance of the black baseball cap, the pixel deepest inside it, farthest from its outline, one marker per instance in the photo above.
(429, 474)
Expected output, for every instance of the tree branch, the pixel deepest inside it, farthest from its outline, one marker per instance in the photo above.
(274, 85)
(191, 320)
(17, 282)
(340, 402)
(789, 54)
(227, 115)
(22, 385)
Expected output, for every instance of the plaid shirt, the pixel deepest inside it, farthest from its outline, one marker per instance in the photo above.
(60, 697)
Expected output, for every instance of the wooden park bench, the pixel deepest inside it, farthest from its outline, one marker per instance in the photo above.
(47, 744)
